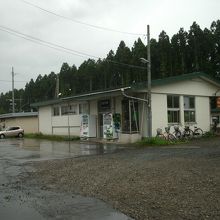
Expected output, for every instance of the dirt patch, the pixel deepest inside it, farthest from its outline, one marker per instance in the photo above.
(180, 182)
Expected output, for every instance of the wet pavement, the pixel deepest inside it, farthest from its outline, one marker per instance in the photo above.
(19, 201)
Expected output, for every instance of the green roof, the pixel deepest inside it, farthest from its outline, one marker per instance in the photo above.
(134, 87)
(174, 79)
(80, 97)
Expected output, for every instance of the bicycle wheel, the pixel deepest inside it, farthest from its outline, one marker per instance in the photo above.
(171, 137)
(177, 134)
(188, 133)
(198, 132)
(161, 136)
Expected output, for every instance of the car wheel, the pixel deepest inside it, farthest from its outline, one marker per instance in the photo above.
(20, 135)
(2, 136)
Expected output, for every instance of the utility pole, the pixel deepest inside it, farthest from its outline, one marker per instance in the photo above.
(149, 83)
(13, 95)
(57, 87)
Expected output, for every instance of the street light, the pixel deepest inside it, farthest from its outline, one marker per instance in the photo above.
(148, 62)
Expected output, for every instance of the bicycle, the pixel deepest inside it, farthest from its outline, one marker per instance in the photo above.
(198, 132)
(166, 135)
(189, 133)
(177, 133)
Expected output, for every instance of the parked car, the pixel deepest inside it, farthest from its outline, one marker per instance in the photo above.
(15, 131)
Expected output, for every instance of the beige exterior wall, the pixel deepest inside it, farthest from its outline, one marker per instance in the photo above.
(45, 114)
(61, 124)
(29, 124)
(93, 109)
(203, 114)
(159, 112)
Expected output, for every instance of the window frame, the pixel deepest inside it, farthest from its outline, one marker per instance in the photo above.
(173, 109)
(190, 110)
(83, 109)
(53, 110)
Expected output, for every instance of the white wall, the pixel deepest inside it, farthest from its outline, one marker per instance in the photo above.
(203, 113)
(93, 109)
(187, 87)
(60, 125)
(45, 125)
(159, 112)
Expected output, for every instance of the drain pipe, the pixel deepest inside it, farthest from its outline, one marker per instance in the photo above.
(132, 97)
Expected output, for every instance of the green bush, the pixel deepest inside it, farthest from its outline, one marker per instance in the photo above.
(155, 141)
(209, 134)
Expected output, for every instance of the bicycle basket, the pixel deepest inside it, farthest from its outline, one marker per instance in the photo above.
(167, 129)
(159, 131)
(176, 128)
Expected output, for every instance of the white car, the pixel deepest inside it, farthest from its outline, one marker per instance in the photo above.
(15, 131)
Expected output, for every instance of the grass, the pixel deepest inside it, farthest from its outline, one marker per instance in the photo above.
(157, 141)
(51, 137)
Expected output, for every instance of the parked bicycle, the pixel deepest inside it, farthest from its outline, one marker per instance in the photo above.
(189, 133)
(177, 132)
(166, 135)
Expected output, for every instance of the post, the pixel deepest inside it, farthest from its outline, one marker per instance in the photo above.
(149, 83)
(13, 96)
(68, 120)
(57, 90)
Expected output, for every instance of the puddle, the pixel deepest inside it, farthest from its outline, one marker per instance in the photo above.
(32, 149)
(23, 202)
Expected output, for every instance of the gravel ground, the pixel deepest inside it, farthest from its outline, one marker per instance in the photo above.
(178, 182)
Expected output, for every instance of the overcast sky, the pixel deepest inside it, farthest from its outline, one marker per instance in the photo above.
(30, 59)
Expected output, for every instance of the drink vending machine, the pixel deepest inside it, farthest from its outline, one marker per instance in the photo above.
(88, 126)
(111, 125)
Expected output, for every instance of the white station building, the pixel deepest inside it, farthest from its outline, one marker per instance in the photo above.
(180, 100)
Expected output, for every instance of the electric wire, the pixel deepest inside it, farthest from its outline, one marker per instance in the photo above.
(60, 48)
(82, 23)
(7, 81)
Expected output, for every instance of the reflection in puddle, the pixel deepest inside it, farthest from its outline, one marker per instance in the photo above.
(53, 149)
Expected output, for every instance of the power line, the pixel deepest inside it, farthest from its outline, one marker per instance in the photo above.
(58, 47)
(9, 81)
(82, 23)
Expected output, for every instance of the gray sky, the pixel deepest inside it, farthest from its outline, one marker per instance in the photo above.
(30, 59)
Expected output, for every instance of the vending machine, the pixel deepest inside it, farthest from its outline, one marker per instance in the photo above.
(107, 126)
(111, 125)
(88, 126)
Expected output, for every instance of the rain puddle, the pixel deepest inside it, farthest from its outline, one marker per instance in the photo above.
(31, 202)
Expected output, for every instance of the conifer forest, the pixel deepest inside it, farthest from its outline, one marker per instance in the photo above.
(195, 50)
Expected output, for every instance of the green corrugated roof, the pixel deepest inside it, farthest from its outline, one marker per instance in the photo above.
(80, 97)
(173, 79)
(134, 87)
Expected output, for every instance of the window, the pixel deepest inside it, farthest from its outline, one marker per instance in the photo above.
(189, 109)
(83, 108)
(173, 109)
(56, 111)
(69, 109)
(73, 109)
(65, 109)
(104, 105)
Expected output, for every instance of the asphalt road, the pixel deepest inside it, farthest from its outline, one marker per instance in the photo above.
(170, 182)
(25, 201)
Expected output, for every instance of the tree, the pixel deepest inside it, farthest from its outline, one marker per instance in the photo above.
(165, 55)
